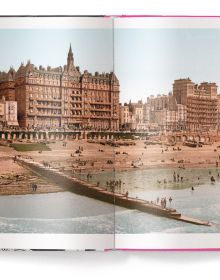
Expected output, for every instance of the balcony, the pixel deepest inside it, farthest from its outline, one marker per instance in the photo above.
(75, 101)
(100, 110)
(48, 106)
(48, 99)
(100, 103)
(100, 117)
(75, 108)
(48, 115)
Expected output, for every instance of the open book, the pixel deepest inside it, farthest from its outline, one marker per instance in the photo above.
(109, 133)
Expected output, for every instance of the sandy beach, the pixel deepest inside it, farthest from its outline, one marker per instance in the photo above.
(96, 158)
(16, 180)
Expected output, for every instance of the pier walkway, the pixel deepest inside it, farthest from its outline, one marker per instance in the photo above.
(85, 188)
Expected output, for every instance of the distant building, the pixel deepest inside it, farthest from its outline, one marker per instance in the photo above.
(201, 104)
(8, 113)
(124, 117)
(166, 114)
(137, 113)
(62, 97)
(181, 117)
(218, 112)
(146, 115)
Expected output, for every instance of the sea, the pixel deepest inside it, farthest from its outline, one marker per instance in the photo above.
(66, 212)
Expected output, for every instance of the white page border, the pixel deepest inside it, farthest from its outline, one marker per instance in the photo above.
(167, 22)
(168, 241)
(56, 241)
(55, 22)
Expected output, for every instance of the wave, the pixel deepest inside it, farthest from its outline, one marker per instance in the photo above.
(102, 216)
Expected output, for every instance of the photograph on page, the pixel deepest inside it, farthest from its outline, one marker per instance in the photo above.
(168, 70)
(59, 101)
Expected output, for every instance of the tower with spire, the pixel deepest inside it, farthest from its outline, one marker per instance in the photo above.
(70, 60)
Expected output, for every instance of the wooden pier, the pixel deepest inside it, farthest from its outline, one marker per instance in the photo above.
(85, 188)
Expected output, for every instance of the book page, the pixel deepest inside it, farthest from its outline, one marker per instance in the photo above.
(58, 109)
(168, 70)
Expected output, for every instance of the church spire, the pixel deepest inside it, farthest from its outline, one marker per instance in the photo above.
(70, 50)
(70, 60)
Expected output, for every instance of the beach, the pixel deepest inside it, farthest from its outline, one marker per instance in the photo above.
(96, 158)
(17, 180)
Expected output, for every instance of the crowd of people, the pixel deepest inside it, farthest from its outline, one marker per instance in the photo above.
(177, 178)
(34, 187)
(114, 185)
(163, 201)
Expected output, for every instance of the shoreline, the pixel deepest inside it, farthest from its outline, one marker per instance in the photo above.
(31, 193)
(129, 169)
(94, 159)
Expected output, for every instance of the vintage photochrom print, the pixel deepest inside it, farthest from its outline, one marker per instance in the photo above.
(110, 127)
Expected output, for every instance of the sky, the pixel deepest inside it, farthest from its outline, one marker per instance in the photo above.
(92, 48)
(147, 61)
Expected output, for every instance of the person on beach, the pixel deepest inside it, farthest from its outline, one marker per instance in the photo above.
(178, 177)
(120, 183)
(165, 202)
(212, 179)
(107, 185)
(126, 194)
(174, 176)
(87, 176)
(34, 187)
(170, 200)
(158, 200)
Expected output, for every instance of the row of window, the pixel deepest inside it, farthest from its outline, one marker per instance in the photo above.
(44, 89)
(49, 111)
(32, 81)
(45, 96)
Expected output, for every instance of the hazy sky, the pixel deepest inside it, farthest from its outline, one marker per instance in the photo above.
(146, 60)
(92, 48)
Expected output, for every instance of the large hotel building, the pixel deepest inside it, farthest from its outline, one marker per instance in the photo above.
(190, 107)
(201, 103)
(62, 97)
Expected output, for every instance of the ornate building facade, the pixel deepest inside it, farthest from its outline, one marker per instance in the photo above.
(8, 114)
(62, 97)
(201, 103)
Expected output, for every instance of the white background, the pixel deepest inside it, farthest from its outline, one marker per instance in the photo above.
(112, 265)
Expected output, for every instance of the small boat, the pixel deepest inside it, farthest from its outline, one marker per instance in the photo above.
(191, 144)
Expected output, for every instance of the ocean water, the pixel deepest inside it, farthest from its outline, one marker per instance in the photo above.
(63, 212)
(202, 203)
(70, 213)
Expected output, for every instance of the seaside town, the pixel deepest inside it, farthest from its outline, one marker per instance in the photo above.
(74, 123)
(62, 98)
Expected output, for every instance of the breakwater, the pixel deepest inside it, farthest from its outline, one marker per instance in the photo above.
(85, 188)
